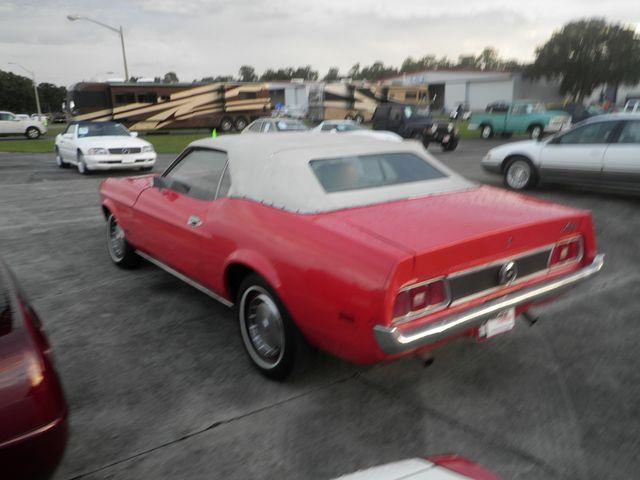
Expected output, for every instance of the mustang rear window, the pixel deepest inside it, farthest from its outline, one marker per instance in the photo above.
(370, 171)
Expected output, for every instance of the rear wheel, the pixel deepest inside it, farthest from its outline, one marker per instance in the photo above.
(240, 123)
(120, 251)
(358, 118)
(32, 133)
(59, 161)
(535, 131)
(486, 132)
(520, 174)
(226, 124)
(348, 117)
(269, 336)
(451, 146)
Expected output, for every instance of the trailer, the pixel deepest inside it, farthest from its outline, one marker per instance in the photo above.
(148, 106)
(358, 101)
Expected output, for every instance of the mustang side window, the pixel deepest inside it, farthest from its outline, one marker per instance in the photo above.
(198, 174)
(371, 171)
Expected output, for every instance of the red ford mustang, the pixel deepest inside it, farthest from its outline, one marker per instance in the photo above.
(33, 412)
(367, 249)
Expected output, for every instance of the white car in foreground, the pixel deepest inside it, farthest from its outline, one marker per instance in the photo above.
(11, 124)
(102, 146)
(354, 128)
(601, 151)
(440, 467)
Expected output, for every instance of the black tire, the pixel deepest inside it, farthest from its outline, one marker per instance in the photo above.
(451, 146)
(120, 251)
(240, 123)
(32, 133)
(282, 343)
(82, 165)
(358, 118)
(520, 174)
(226, 125)
(59, 161)
(486, 132)
(348, 117)
(535, 131)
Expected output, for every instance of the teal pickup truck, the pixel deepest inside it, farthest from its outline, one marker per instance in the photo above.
(518, 117)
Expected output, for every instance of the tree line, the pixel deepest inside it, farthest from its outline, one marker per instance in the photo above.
(582, 56)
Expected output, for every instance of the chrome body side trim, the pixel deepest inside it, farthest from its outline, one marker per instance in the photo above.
(393, 340)
(185, 279)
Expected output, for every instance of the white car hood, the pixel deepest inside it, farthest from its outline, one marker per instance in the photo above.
(524, 146)
(120, 141)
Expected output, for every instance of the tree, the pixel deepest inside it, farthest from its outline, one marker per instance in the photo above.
(16, 93)
(247, 74)
(332, 75)
(588, 53)
(51, 97)
(288, 73)
(170, 77)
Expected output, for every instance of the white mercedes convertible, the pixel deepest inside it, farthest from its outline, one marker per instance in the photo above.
(102, 146)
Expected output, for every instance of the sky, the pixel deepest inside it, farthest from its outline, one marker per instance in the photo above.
(198, 38)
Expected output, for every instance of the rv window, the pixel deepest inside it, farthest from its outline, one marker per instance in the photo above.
(125, 98)
(247, 95)
(410, 95)
(147, 98)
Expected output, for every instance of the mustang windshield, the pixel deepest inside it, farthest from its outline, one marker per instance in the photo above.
(102, 129)
(370, 171)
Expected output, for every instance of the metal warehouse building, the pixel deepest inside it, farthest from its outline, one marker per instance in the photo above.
(476, 88)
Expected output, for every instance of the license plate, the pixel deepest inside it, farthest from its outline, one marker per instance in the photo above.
(502, 323)
(128, 160)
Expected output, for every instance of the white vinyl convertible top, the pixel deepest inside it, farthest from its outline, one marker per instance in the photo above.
(274, 169)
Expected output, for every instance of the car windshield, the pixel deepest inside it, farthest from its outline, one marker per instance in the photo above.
(343, 127)
(416, 111)
(290, 126)
(370, 171)
(101, 130)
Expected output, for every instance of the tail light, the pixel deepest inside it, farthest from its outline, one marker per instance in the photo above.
(566, 252)
(418, 299)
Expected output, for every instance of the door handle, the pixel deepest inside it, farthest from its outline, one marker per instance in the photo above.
(194, 221)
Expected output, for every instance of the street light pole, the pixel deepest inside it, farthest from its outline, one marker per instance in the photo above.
(119, 31)
(35, 85)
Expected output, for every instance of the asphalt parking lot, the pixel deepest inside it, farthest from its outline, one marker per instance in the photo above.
(159, 386)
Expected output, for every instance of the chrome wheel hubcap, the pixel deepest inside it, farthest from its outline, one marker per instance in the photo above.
(518, 174)
(486, 132)
(115, 239)
(262, 327)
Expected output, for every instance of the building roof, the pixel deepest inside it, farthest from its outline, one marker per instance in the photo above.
(274, 169)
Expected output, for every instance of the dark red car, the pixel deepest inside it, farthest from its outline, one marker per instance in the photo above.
(33, 411)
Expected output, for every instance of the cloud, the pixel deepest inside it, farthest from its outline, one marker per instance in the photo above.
(198, 38)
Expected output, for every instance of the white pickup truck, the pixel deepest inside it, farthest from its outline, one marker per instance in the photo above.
(10, 124)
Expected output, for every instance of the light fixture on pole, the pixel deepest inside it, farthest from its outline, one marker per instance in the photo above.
(35, 85)
(118, 30)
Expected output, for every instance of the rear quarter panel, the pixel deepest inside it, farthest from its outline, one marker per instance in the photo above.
(331, 276)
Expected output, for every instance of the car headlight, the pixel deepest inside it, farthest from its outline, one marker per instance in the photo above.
(98, 151)
(450, 128)
(147, 148)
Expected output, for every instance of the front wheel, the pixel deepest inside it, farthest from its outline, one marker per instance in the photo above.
(358, 118)
(82, 165)
(269, 336)
(520, 174)
(32, 133)
(120, 251)
(486, 132)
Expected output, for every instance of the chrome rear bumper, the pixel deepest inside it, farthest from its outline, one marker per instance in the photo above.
(392, 340)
